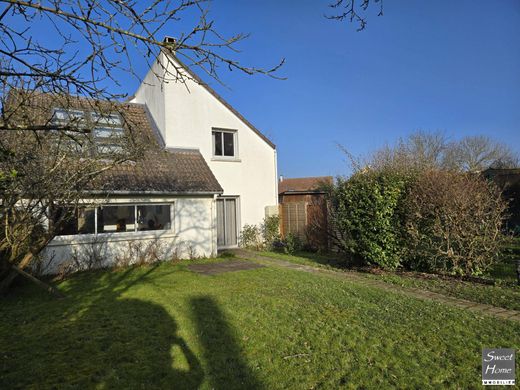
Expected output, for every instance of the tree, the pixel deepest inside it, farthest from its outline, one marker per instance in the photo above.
(94, 41)
(419, 150)
(51, 173)
(353, 11)
(422, 150)
(403, 208)
(46, 164)
(477, 153)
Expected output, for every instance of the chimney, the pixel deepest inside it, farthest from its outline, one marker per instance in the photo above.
(281, 178)
(168, 39)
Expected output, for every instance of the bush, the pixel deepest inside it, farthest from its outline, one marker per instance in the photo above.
(292, 243)
(250, 237)
(453, 223)
(271, 231)
(265, 236)
(364, 217)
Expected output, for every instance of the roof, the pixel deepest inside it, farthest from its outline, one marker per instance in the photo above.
(303, 184)
(156, 170)
(505, 178)
(221, 100)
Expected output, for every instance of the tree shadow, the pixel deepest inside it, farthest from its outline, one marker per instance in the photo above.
(227, 368)
(96, 338)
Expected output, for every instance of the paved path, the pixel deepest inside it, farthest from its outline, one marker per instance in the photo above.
(219, 268)
(415, 292)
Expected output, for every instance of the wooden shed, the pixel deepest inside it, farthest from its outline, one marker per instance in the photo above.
(303, 208)
(508, 180)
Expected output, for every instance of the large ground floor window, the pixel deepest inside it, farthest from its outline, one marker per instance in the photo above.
(115, 219)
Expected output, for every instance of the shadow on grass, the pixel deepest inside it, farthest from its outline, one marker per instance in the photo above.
(226, 367)
(98, 338)
(95, 338)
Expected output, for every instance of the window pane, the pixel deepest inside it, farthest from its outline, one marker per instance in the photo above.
(86, 221)
(107, 132)
(217, 141)
(111, 119)
(116, 219)
(81, 222)
(65, 221)
(153, 217)
(229, 149)
(109, 149)
(61, 114)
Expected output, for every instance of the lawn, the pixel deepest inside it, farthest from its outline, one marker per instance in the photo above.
(166, 327)
(505, 293)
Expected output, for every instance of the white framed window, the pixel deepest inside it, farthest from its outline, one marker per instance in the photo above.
(107, 130)
(106, 119)
(67, 115)
(225, 143)
(116, 218)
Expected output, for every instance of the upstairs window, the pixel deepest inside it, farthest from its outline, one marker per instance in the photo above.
(62, 115)
(106, 129)
(224, 143)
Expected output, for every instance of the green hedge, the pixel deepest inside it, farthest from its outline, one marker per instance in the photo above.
(432, 221)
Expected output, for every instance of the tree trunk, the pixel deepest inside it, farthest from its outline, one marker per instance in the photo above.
(11, 275)
(47, 287)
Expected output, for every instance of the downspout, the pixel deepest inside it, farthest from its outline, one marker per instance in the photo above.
(275, 178)
(214, 226)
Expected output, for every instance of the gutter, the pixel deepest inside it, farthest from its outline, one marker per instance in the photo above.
(122, 192)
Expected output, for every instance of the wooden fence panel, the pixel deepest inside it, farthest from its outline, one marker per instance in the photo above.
(294, 219)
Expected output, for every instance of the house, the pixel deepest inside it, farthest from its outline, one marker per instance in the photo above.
(190, 115)
(508, 180)
(303, 207)
(205, 172)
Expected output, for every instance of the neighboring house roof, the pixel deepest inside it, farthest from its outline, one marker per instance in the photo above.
(156, 170)
(303, 184)
(503, 176)
(508, 180)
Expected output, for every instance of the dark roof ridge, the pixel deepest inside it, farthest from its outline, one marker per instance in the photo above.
(309, 177)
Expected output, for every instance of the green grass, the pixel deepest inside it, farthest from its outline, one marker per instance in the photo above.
(504, 294)
(166, 327)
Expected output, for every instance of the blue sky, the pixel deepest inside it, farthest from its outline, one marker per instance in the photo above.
(444, 65)
(452, 66)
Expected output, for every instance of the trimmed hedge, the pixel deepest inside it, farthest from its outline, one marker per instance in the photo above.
(431, 220)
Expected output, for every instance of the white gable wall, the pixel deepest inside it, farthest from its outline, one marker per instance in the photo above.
(190, 112)
(152, 93)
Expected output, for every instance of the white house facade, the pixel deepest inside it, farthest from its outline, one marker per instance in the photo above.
(190, 115)
(205, 173)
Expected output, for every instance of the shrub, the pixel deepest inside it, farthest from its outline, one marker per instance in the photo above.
(453, 223)
(271, 231)
(250, 237)
(364, 216)
(292, 243)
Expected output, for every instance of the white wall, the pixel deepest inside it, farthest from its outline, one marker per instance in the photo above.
(152, 92)
(190, 113)
(193, 233)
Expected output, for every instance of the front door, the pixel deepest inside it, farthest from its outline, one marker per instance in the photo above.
(227, 222)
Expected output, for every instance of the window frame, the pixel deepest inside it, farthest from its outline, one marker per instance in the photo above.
(135, 230)
(234, 132)
(97, 121)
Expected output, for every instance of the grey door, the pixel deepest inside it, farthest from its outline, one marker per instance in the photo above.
(226, 222)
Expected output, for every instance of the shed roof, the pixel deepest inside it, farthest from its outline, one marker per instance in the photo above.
(303, 184)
